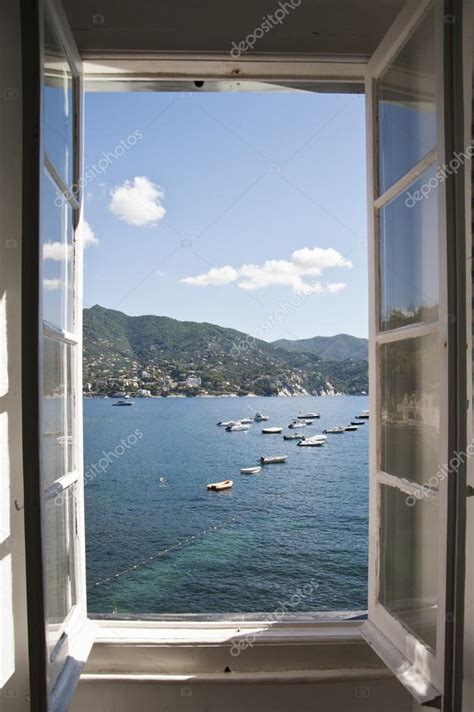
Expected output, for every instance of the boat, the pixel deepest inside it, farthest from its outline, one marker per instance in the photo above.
(311, 442)
(250, 470)
(226, 423)
(272, 431)
(218, 486)
(259, 417)
(273, 460)
(123, 402)
(357, 422)
(237, 427)
(311, 416)
(247, 421)
(297, 424)
(308, 422)
(364, 415)
(334, 431)
(351, 427)
(293, 436)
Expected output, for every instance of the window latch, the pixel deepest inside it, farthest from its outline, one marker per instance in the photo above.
(469, 491)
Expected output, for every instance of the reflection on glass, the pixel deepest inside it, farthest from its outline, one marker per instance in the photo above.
(58, 105)
(409, 255)
(409, 378)
(406, 106)
(409, 561)
(59, 527)
(56, 239)
(56, 453)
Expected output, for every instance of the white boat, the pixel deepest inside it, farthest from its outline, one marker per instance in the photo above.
(237, 428)
(259, 417)
(308, 422)
(311, 416)
(123, 402)
(250, 470)
(226, 423)
(247, 421)
(351, 427)
(271, 431)
(297, 424)
(334, 431)
(293, 436)
(275, 460)
(364, 415)
(217, 486)
(310, 442)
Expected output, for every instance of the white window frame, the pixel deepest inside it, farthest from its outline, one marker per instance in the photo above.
(147, 72)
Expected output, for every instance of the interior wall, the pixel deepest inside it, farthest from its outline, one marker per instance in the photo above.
(14, 682)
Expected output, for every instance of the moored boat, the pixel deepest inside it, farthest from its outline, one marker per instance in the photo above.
(357, 422)
(250, 470)
(351, 427)
(124, 402)
(334, 431)
(259, 417)
(271, 431)
(293, 436)
(237, 428)
(226, 423)
(311, 416)
(297, 424)
(217, 486)
(273, 460)
(364, 415)
(247, 421)
(311, 442)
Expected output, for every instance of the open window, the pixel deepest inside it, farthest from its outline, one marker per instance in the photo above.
(412, 237)
(55, 479)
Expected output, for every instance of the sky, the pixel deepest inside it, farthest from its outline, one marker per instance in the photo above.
(246, 210)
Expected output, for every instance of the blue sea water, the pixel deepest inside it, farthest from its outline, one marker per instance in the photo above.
(158, 542)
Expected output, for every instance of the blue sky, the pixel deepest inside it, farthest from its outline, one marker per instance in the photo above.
(246, 210)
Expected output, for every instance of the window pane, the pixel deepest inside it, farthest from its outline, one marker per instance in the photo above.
(409, 256)
(60, 542)
(406, 106)
(56, 454)
(409, 373)
(56, 238)
(58, 106)
(409, 551)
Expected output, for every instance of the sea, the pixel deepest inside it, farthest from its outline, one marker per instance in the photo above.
(293, 538)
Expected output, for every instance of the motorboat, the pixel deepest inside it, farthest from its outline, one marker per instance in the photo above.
(237, 427)
(259, 417)
(293, 436)
(364, 415)
(247, 421)
(357, 422)
(310, 416)
(226, 423)
(250, 470)
(311, 442)
(351, 427)
(297, 424)
(123, 402)
(334, 431)
(274, 460)
(272, 431)
(218, 486)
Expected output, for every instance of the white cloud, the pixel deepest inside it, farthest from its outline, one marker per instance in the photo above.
(215, 277)
(57, 251)
(51, 284)
(138, 201)
(307, 262)
(88, 237)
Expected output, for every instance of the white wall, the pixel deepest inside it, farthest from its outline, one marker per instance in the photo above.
(14, 683)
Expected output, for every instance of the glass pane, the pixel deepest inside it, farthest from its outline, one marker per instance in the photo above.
(59, 527)
(409, 255)
(409, 565)
(56, 453)
(58, 105)
(409, 378)
(57, 243)
(406, 106)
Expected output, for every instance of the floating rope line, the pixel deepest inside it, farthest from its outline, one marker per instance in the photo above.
(173, 547)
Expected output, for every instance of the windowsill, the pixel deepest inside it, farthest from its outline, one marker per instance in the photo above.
(253, 650)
